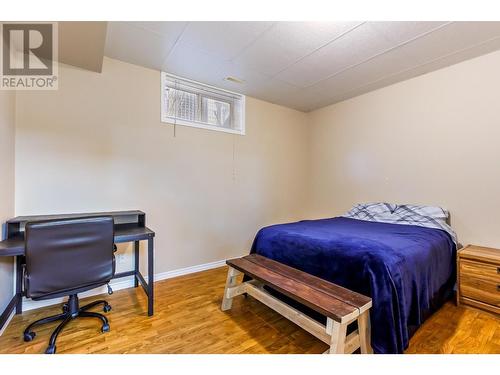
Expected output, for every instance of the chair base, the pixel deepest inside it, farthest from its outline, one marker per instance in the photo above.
(71, 310)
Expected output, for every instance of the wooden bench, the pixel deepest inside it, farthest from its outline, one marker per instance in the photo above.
(341, 306)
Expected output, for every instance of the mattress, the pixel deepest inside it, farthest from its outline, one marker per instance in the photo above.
(407, 270)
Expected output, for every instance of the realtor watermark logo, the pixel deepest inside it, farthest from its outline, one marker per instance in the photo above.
(29, 56)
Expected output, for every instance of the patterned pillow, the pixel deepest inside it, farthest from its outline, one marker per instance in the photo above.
(371, 211)
(434, 212)
(408, 214)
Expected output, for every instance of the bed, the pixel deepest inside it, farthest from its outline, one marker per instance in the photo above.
(407, 269)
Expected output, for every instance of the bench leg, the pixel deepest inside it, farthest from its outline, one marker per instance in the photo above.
(230, 283)
(364, 329)
(338, 332)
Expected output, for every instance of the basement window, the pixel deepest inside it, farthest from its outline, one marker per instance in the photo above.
(190, 103)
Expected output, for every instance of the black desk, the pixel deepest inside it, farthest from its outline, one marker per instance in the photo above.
(130, 226)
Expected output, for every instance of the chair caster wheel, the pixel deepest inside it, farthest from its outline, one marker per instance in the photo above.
(105, 328)
(51, 350)
(106, 308)
(29, 336)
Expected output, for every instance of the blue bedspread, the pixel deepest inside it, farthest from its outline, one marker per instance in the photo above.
(407, 270)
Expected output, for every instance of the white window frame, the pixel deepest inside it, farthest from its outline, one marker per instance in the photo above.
(197, 124)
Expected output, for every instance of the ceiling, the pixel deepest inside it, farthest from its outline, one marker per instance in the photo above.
(302, 65)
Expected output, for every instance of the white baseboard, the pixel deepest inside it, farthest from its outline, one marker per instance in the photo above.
(124, 283)
(188, 270)
(29, 304)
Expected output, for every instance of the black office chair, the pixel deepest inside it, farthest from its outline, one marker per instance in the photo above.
(66, 257)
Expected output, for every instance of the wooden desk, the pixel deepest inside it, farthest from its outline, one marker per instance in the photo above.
(130, 226)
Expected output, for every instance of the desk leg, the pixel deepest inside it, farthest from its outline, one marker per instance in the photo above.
(19, 284)
(136, 263)
(150, 276)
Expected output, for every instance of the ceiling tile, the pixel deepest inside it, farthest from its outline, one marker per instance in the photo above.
(350, 49)
(451, 38)
(402, 31)
(191, 63)
(139, 46)
(252, 82)
(223, 39)
(286, 42)
(478, 50)
(372, 70)
(382, 65)
(185, 62)
(170, 29)
(313, 99)
(278, 92)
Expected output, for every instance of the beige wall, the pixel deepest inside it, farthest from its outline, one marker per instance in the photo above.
(7, 131)
(433, 139)
(98, 144)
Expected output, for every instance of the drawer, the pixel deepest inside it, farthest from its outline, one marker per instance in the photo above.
(478, 270)
(480, 290)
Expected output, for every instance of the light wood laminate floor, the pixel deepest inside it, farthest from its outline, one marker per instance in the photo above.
(188, 320)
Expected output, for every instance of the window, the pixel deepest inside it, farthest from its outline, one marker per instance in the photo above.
(190, 103)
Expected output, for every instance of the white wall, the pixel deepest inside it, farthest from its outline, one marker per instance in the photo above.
(98, 144)
(433, 139)
(7, 131)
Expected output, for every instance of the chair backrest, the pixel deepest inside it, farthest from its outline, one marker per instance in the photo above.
(66, 257)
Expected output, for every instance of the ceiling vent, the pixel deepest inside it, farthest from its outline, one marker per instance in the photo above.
(234, 79)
